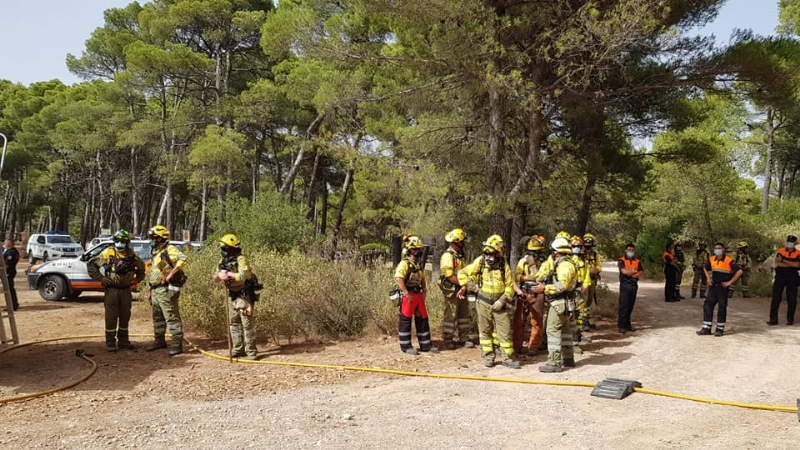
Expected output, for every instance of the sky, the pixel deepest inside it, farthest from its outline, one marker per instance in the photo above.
(37, 35)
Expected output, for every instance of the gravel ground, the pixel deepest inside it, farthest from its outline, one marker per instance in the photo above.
(143, 400)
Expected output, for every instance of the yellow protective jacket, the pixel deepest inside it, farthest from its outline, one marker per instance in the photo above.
(564, 279)
(493, 281)
(525, 267)
(240, 268)
(108, 259)
(451, 262)
(161, 266)
(584, 277)
(592, 260)
(417, 276)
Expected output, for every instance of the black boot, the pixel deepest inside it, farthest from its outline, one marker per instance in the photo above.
(160, 342)
(124, 340)
(111, 341)
(175, 350)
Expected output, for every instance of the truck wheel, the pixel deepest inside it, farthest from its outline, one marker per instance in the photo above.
(31, 258)
(52, 287)
(44, 257)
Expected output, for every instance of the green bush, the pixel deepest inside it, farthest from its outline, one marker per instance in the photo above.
(271, 222)
(759, 284)
(302, 297)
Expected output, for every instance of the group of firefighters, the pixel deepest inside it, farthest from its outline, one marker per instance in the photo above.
(552, 288)
(118, 268)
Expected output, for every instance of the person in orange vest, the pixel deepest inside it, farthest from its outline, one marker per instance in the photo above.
(630, 270)
(670, 274)
(787, 262)
(721, 272)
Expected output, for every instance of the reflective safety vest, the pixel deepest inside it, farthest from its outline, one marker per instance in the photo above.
(721, 269)
(667, 258)
(631, 264)
(789, 256)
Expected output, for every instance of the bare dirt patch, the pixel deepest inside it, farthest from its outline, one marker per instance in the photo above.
(142, 400)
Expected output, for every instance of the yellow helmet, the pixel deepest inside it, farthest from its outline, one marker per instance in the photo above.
(563, 234)
(576, 241)
(456, 235)
(230, 240)
(494, 244)
(561, 245)
(158, 231)
(413, 242)
(589, 238)
(536, 243)
(742, 244)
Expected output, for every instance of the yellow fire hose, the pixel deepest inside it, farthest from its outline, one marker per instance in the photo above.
(391, 372)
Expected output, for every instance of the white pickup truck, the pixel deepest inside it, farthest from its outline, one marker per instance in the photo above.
(69, 277)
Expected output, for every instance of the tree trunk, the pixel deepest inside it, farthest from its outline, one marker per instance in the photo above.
(310, 131)
(323, 220)
(348, 180)
(203, 201)
(518, 226)
(707, 218)
(134, 195)
(584, 213)
(782, 179)
(770, 129)
(311, 192)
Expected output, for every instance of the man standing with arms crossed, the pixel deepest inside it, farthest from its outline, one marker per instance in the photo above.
(630, 270)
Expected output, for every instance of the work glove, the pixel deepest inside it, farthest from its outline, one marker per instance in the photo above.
(500, 303)
(248, 310)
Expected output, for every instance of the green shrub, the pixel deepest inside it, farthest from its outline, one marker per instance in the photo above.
(271, 222)
(759, 284)
(302, 297)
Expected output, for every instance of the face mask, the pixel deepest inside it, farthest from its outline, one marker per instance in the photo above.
(223, 253)
(120, 245)
(490, 259)
(718, 251)
(678, 248)
(790, 245)
(576, 250)
(630, 254)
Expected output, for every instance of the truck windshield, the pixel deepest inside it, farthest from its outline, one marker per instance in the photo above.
(61, 240)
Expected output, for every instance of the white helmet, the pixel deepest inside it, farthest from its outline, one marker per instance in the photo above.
(561, 245)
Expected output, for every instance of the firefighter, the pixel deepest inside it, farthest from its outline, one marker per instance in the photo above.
(594, 265)
(117, 268)
(743, 260)
(581, 289)
(559, 281)
(721, 273)
(235, 272)
(787, 263)
(630, 270)
(456, 310)
(410, 278)
(530, 304)
(670, 274)
(491, 276)
(700, 261)
(166, 279)
(680, 265)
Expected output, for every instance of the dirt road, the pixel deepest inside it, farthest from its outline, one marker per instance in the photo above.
(143, 400)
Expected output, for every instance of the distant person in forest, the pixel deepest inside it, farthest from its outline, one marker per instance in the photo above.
(700, 261)
(11, 256)
(743, 260)
(630, 270)
(787, 262)
(680, 260)
(721, 272)
(670, 274)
